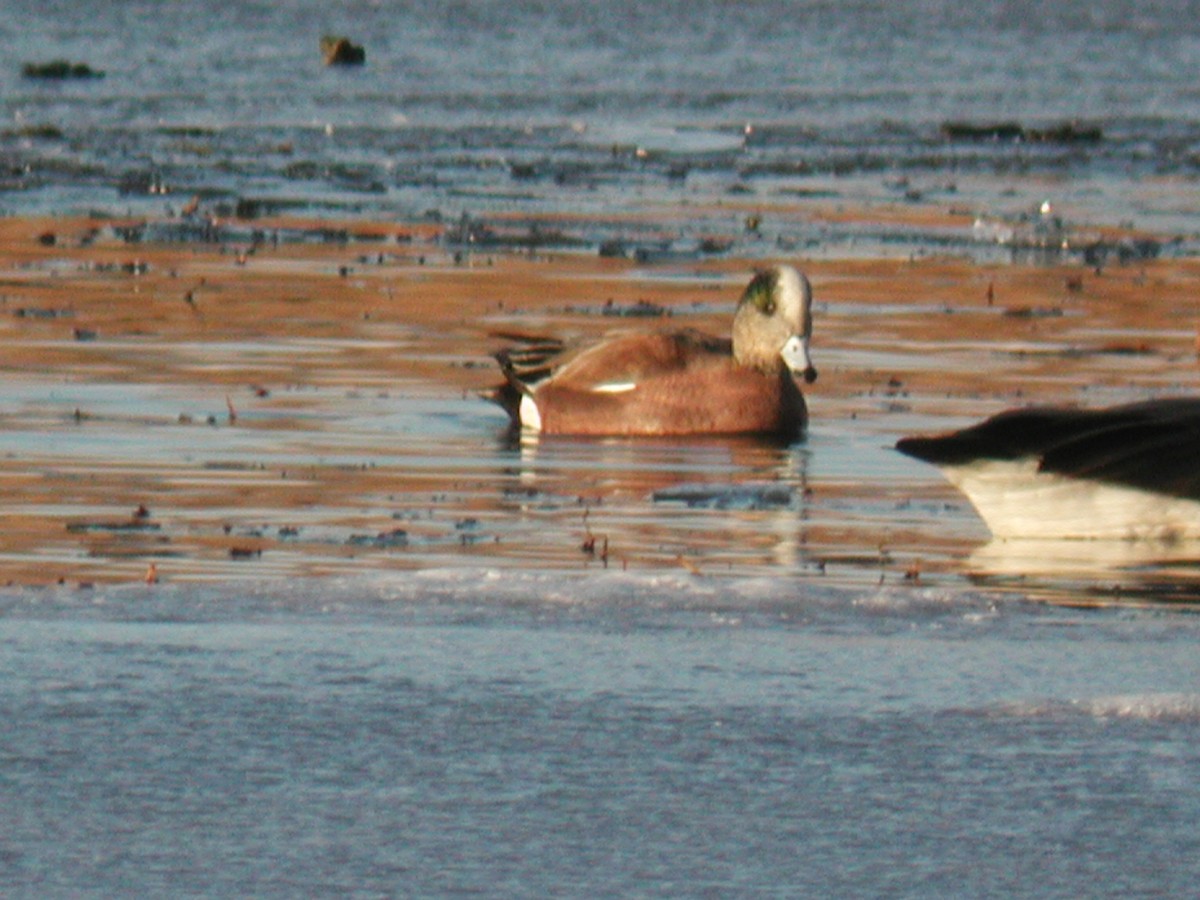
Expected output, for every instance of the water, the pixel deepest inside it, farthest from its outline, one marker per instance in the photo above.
(795, 716)
(598, 108)
(514, 735)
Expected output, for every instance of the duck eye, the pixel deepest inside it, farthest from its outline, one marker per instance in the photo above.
(769, 308)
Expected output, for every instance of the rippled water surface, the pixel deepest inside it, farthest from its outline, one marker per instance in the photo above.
(472, 665)
(508, 734)
(589, 107)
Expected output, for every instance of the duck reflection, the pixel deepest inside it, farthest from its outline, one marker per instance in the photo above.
(1090, 571)
(1093, 558)
(740, 500)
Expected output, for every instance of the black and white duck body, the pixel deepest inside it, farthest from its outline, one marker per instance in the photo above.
(1129, 472)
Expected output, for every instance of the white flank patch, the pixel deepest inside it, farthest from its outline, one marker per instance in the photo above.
(1018, 502)
(531, 419)
(615, 387)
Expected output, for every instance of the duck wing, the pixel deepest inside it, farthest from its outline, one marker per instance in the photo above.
(614, 364)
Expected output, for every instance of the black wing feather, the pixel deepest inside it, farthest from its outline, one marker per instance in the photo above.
(1153, 445)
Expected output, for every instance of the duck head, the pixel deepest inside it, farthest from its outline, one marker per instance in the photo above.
(772, 325)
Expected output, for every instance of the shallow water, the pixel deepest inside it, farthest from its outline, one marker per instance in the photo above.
(433, 477)
(394, 652)
(454, 732)
(364, 453)
(498, 108)
(467, 701)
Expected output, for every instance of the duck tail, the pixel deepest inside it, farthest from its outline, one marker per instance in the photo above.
(528, 360)
(506, 396)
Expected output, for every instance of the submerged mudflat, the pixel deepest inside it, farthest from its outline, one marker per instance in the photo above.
(248, 303)
(285, 397)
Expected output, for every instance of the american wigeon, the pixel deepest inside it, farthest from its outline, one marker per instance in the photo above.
(1123, 472)
(675, 382)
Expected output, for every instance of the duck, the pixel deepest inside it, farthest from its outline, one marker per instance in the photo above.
(1125, 472)
(673, 382)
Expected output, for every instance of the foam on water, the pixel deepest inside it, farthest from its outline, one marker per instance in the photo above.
(597, 590)
(1183, 708)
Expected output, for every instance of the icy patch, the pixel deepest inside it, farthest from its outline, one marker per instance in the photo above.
(680, 597)
(905, 600)
(1153, 707)
(1149, 707)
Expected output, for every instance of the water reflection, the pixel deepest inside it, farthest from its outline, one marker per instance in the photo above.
(736, 501)
(647, 464)
(1091, 570)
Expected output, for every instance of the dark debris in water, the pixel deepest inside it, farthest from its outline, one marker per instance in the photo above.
(384, 540)
(727, 496)
(475, 233)
(338, 50)
(60, 70)
(664, 251)
(1062, 133)
(208, 231)
(641, 309)
(41, 312)
(131, 527)
(1122, 251)
(1034, 312)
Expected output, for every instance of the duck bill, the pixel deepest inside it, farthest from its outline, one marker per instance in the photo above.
(795, 356)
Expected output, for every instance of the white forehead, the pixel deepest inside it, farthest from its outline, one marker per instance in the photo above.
(791, 289)
(789, 279)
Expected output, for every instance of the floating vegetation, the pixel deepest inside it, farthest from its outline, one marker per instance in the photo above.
(60, 70)
(339, 50)
(728, 496)
(384, 540)
(41, 132)
(640, 309)
(42, 313)
(1034, 312)
(1122, 251)
(1062, 133)
(470, 232)
(132, 527)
